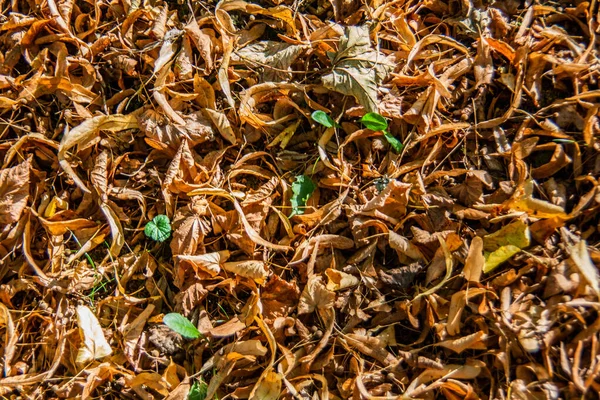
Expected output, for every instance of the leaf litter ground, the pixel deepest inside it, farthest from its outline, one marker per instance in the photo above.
(452, 255)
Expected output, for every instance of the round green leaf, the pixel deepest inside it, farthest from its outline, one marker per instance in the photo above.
(181, 325)
(324, 119)
(159, 228)
(374, 122)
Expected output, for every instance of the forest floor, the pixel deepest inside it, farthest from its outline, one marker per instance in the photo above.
(299, 199)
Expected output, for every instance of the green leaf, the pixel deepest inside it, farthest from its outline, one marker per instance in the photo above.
(374, 122)
(181, 325)
(159, 228)
(395, 143)
(302, 189)
(198, 391)
(324, 119)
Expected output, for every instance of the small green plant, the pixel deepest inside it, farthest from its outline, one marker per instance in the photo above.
(181, 325)
(159, 229)
(376, 122)
(324, 119)
(302, 189)
(198, 391)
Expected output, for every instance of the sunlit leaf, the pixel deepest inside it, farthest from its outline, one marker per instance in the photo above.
(94, 344)
(581, 258)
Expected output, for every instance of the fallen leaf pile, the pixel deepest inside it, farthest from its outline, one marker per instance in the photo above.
(453, 254)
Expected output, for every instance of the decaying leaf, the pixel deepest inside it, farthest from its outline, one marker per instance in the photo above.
(358, 68)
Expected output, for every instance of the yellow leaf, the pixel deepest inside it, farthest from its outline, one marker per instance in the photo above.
(499, 256)
(516, 233)
(501, 245)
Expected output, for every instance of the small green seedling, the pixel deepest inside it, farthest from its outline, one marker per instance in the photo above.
(198, 391)
(159, 229)
(376, 122)
(181, 325)
(324, 119)
(302, 189)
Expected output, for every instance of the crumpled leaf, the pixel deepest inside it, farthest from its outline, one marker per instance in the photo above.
(390, 204)
(209, 263)
(222, 124)
(358, 69)
(339, 280)
(159, 129)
